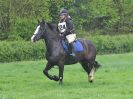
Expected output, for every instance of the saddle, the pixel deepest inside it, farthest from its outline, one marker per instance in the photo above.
(78, 47)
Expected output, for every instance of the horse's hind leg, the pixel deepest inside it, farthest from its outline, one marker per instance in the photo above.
(88, 69)
(94, 65)
(91, 74)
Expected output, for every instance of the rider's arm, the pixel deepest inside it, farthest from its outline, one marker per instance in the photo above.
(69, 24)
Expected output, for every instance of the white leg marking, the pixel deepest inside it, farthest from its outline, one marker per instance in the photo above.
(91, 75)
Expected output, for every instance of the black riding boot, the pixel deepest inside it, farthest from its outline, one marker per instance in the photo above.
(71, 49)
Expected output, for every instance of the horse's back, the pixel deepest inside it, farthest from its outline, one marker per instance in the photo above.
(88, 53)
(83, 41)
(89, 49)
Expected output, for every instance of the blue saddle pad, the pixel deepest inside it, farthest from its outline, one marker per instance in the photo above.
(78, 47)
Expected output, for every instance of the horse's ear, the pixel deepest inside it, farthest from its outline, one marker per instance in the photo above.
(38, 21)
(43, 21)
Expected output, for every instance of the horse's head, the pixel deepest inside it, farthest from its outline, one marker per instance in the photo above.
(39, 32)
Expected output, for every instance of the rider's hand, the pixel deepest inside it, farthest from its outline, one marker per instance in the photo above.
(61, 34)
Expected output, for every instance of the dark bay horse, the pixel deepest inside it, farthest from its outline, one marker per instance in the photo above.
(56, 55)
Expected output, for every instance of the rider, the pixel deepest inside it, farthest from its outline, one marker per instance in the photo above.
(65, 27)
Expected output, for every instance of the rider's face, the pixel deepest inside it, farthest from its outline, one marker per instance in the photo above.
(62, 17)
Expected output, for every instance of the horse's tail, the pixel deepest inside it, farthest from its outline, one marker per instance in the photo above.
(97, 65)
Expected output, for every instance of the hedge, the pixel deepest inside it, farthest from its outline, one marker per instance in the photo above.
(113, 44)
(21, 50)
(25, 50)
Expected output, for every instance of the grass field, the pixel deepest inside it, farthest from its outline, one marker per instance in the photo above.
(25, 80)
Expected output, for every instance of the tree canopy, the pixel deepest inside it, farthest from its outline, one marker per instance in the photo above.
(18, 18)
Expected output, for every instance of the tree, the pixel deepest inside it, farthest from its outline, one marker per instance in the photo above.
(4, 19)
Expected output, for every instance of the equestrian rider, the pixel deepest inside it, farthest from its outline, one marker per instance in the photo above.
(65, 27)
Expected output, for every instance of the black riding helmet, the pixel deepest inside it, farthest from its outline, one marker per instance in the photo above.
(63, 12)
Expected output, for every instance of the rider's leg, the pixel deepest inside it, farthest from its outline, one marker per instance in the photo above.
(71, 49)
(70, 38)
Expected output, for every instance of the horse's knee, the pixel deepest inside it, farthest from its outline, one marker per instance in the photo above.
(45, 72)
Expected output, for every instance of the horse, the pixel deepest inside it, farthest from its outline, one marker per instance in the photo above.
(56, 55)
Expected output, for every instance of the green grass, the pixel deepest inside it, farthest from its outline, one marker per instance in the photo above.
(25, 80)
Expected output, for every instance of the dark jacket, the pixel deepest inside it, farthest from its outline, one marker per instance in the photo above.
(70, 26)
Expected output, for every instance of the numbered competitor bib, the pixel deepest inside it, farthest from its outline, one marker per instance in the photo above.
(62, 27)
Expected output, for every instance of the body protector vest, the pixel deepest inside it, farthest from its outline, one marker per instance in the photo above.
(62, 27)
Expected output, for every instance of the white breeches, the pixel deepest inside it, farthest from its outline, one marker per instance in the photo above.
(71, 37)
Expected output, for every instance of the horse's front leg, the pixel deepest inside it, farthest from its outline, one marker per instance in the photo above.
(45, 71)
(61, 70)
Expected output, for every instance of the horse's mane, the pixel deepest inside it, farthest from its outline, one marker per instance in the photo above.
(52, 25)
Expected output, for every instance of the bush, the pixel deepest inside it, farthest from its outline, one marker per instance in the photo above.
(113, 44)
(24, 50)
(21, 50)
(22, 29)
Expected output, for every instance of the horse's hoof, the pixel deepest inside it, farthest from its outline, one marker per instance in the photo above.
(55, 78)
(91, 81)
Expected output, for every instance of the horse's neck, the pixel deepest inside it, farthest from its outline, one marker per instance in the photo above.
(52, 39)
(51, 46)
(52, 32)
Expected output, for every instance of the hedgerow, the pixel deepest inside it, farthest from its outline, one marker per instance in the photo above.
(21, 50)
(25, 50)
(113, 44)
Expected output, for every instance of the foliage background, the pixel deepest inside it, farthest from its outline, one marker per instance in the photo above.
(25, 50)
(107, 23)
(18, 18)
